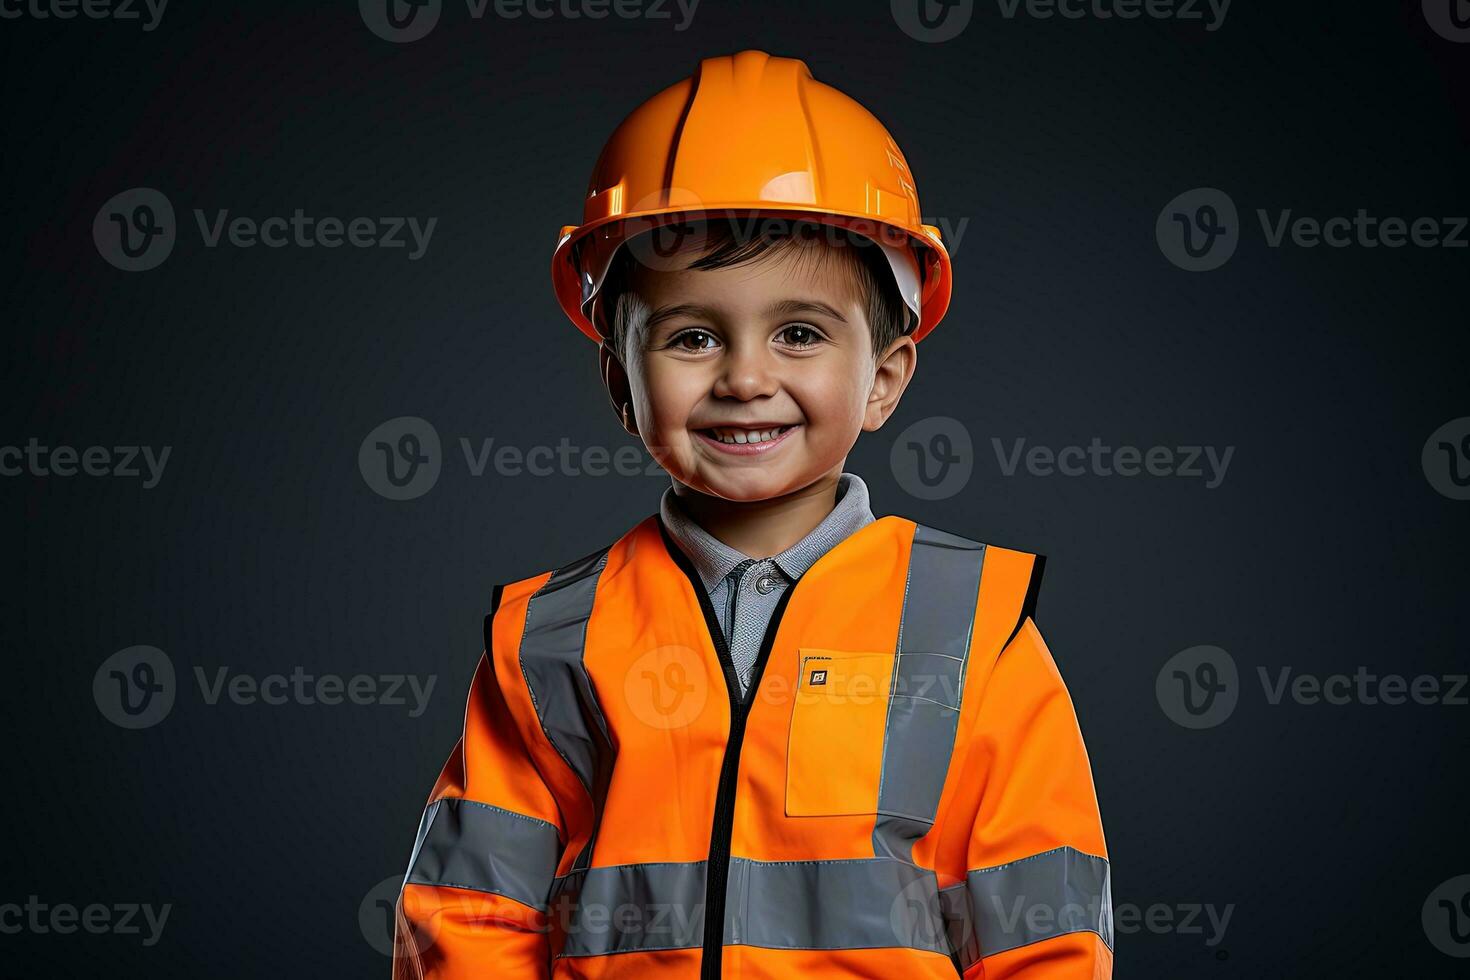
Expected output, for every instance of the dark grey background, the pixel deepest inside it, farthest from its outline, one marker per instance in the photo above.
(263, 548)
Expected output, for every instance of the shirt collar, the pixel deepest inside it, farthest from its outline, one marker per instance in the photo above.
(713, 559)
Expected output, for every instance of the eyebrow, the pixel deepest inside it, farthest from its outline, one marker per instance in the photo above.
(785, 307)
(669, 312)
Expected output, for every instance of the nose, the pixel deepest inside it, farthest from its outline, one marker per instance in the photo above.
(746, 371)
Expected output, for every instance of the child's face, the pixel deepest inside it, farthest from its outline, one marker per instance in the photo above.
(779, 343)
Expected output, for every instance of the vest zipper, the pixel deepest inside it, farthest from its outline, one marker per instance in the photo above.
(717, 867)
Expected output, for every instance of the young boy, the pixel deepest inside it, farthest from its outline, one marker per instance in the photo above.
(761, 734)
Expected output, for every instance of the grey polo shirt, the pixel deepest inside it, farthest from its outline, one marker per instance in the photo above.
(743, 590)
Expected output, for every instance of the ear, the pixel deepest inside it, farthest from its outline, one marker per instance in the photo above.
(615, 380)
(894, 369)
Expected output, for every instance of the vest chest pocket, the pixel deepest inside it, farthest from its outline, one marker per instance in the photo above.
(834, 751)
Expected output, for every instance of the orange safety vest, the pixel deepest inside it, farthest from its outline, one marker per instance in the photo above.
(902, 792)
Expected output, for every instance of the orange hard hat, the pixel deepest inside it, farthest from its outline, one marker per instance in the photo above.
(749, 134)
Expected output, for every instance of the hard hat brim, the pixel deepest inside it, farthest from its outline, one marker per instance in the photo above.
(919, 261)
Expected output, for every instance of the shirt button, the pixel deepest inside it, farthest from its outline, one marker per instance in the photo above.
(765, 584)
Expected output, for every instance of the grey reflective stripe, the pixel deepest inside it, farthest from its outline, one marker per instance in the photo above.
(954, 905)
(857, 904)
(928, 678)
(1039, 897)
(631, 907)
(551, 661)
(845, 904)
(466, 844)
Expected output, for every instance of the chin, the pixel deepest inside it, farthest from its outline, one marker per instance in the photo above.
(746, 487)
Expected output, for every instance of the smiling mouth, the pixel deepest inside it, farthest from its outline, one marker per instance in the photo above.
(745, 437)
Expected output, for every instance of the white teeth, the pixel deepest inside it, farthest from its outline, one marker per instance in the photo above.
(740, 437)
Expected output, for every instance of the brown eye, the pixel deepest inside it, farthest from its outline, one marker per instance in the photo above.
(801, 335)
(683, 341)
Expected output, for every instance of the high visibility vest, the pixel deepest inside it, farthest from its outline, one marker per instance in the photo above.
(903, 791)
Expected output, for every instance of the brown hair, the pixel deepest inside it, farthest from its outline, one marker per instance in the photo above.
(729, 241)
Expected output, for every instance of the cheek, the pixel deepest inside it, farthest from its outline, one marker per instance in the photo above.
(835, 398)
(669, 394)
